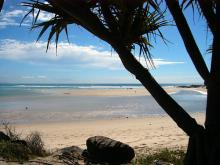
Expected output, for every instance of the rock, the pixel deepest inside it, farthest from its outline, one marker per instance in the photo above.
(71, 155)
(106, 150)
(158, 162)
(22, 142)
(4, 137)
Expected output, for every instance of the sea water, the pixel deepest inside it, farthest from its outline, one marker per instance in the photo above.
(24, 103)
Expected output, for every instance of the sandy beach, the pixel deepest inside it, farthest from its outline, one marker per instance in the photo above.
(152, 131)
(117, 92)
(148, 132)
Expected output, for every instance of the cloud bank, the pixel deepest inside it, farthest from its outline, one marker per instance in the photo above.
(68, 54)
(14, 17)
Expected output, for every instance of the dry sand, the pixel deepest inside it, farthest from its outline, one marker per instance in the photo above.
(148, 132)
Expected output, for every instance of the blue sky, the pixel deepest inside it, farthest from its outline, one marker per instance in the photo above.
(87, 59)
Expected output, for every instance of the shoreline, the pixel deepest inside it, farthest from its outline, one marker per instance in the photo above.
(118, 92)
(150, 131)
(92, 105)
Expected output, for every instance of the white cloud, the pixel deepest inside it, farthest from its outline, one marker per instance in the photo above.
(43, 16)
(10, 18)
(68, 54)
(14, 17)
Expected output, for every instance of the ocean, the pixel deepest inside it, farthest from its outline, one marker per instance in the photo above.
(29, 103)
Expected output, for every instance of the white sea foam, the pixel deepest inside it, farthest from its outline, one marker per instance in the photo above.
(199, 91)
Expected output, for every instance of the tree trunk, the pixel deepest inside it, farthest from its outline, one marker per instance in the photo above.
(203, 148)
(212, 123)
(188, 39)
(173, 109)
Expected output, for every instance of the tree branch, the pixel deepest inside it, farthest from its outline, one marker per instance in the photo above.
(110, 20)
(188, 39)
(87, 19)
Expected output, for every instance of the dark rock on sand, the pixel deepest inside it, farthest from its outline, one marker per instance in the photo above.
(158, 162)
(72, 155)
(102, 149)
(4, 137)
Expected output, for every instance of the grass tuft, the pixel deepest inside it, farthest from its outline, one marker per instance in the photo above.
(35, 144)
(165, 157)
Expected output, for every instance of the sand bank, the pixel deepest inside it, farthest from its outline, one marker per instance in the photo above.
(115, 92)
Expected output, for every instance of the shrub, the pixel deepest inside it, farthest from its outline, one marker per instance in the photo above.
(35, 144)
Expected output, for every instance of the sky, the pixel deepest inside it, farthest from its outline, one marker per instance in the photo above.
(87, 59)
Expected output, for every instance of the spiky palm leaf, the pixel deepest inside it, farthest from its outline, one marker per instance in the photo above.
(131, 22)
(1, 4)
(193, 3)
(206, 8)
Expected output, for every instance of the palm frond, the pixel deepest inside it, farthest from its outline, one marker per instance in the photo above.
(1, 4)
(134, 23)
(56, 24)
(194, 3)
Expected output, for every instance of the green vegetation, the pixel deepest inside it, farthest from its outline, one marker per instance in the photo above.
(20, 150)
(165, 157)
(35, 144)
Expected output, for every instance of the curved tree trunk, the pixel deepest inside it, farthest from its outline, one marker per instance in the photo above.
(174, 110)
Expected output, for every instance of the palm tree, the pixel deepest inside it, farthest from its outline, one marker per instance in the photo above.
(128, 25)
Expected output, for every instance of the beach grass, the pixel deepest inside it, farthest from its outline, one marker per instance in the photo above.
(163, 156)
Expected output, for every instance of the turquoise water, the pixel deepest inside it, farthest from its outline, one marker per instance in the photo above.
(36, 89)
(29, 103)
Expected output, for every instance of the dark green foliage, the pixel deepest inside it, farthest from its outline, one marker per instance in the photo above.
(164, 156)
